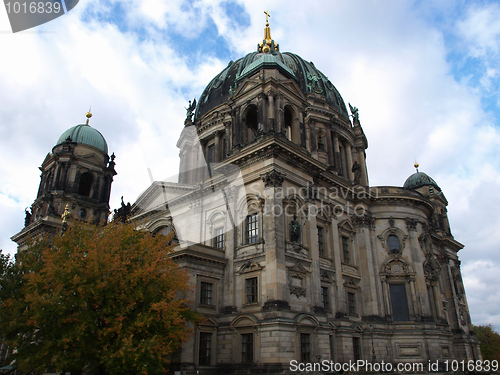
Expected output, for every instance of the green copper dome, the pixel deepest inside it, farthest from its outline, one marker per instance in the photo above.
(304, 73)
(419, 179)
(85, 134)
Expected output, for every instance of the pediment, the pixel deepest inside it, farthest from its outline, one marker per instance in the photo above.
(357, 327)
(298, 269)
(246, 87)
(243, 321)
(250, 267)
(290, 87)
(48, 160)
(347, 226)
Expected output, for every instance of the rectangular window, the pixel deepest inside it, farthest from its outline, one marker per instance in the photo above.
(219, 238)
(252, 228)
(205, 348)
(399, 303)
(345, 250)
(324, 297)
(206, 293)
(305, 347)
(251, 290)
(247, 348)
(321, 247)
(351, 302)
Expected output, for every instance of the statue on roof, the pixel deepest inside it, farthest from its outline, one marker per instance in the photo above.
(355, 112)
(123, 212)
(27, 218)
(190, 109)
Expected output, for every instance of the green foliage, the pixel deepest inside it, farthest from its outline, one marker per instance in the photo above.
(100, 298)
(489, 342)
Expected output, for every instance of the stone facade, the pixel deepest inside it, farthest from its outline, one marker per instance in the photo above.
(291, 254)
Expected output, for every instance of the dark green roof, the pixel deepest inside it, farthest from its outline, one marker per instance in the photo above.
(85, 134)
(308, 78)
(419, 179)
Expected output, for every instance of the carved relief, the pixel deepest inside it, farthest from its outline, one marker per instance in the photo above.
(411, 224)
(432, 269)
(350, 282)
(396, 266)
(250, 267)
(327, 276)
(363, 221)
(391, 222)
(297, 280)
(273, 178)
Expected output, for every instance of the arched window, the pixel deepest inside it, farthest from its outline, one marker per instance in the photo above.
(292, 126)
(164, 230)
(251, 123)
(86, 180)
(288, 123)
(393, 243)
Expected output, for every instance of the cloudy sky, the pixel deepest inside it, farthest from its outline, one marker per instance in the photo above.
(425, 76)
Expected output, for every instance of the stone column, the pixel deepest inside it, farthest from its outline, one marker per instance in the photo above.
(315, 292)
(362, 161)
(236, 128)
(387, 292)
(261, 126)
(336, 150)
(415, 310)
(229, 146)
(271, 112)
(349, 161)
(281, 114)
(217, 147)
(308, 135)
(364, 224)
(274, 241)
(417, 260)
(329, 146)
(340, 301)
(313, 137)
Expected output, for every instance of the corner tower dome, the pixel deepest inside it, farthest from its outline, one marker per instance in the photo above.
(304, 73)
(85, 134)
(419, 179)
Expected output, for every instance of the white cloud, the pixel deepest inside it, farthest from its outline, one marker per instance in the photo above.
(481, 29)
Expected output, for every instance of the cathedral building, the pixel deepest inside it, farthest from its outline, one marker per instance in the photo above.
(292, 255)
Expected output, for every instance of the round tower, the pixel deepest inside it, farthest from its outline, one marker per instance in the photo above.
(78, 174)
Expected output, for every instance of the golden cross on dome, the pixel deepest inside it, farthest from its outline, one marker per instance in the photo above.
(268, 43)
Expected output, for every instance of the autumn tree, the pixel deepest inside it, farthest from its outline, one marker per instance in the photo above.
(104, 299)
(489, 342)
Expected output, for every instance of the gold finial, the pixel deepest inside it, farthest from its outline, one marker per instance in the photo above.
(416, 165)
(88, 115)
(66, 214)
(268, 44)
